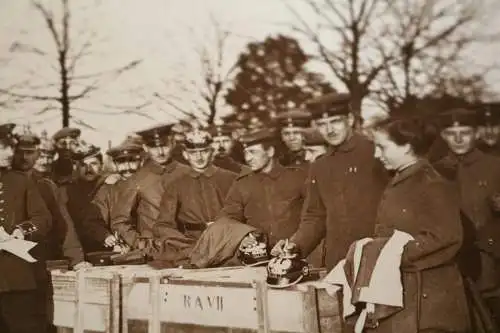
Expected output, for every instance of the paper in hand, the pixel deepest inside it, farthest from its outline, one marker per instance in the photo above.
(19, 248)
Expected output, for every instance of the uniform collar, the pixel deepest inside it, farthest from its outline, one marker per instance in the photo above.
(409, 171)
(209, 172)
(471, 157)
(158, 168)
(276, 170)
(346, 146)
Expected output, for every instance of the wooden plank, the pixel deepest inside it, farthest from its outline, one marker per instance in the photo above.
(115, 304)
(262, 306)
(154, 296)
(310, 311)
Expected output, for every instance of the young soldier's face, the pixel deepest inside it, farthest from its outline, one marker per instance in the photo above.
(257, 156)
(199, 159)
(489, 134)
(25, 159)
(335, 129)
(293, 138)
(160, 154)
(460, 139)
(6, 155)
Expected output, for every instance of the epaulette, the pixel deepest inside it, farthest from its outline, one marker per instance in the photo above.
(112, 179)
(244, 172)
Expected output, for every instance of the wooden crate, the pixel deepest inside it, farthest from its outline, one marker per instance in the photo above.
(225, 300)
(86, 301)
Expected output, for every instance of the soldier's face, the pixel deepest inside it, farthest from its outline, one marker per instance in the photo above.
(336, 129)
(68, 144)
(460, 139)
(127, 167)
(222, 145)
(489, 134)
(199, 159)
(258, 157)
(6, 155)
(90, 168)
(392, 155)
(313, 152)
(160, 154)
(44, 162)
(293, 138)
(25, 159)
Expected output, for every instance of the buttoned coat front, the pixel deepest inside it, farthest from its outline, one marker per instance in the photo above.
(343, 192)
(20, 201)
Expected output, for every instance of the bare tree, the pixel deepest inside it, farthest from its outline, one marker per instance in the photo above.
(390, 48)
(204, 94)
(68, 84)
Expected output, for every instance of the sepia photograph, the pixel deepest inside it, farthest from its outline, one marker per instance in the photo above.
(249, 166)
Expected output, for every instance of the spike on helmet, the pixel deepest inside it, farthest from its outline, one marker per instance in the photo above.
(255, 255)
(287, 270)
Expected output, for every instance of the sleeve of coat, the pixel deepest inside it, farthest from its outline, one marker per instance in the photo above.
(313, 221)
(167, 218)
(102, 200)
(71, 247)
(439, 235)
(121, 216)
(233, 209)
(37, 212)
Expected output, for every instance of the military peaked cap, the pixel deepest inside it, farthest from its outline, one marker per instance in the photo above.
(67, 132)
(458, 117)
(156, 136)
(294, 118)
(490, 114)
(329, 105)
(258, 136)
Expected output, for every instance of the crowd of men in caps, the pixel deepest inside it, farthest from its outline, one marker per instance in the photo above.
(309, 185)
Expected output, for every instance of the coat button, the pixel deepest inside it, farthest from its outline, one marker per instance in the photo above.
(490, 241)
(424, 295)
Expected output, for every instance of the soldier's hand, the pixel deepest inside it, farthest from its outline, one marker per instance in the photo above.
(110, 241)
(248, 241)
(283, 247)
(82, 265)
(495, 202)
(17, 233)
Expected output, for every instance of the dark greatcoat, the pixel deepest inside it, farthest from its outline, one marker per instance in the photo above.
(270, 202)
(343, 191)
(20, 201)
(139, 200)
(193, 200)
(420, 202)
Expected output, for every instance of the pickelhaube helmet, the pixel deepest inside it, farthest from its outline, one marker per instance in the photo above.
(197, 139)
(257, 254)
(46, 143)
(286, 270)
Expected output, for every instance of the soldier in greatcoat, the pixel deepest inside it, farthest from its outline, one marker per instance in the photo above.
(268, 196)
(23, 215)
(489, 129)
(476, 176)
(193, 200)
(344, 186)
(62, 240)
(140, 196)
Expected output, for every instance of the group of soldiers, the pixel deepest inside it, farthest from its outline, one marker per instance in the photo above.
(308, 180)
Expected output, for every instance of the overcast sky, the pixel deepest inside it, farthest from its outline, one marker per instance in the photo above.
(162, 33)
